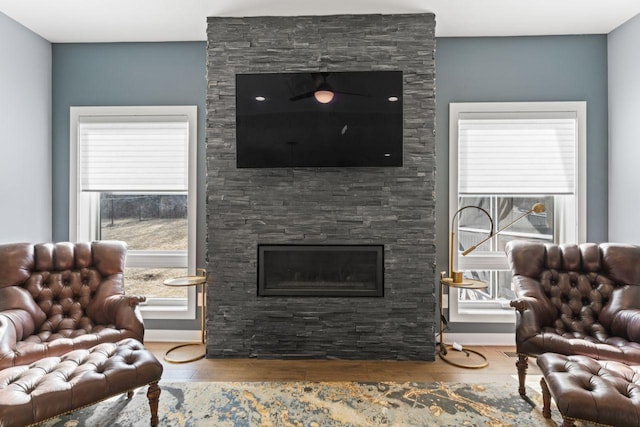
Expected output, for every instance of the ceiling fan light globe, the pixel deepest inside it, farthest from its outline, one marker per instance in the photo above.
(323, 96)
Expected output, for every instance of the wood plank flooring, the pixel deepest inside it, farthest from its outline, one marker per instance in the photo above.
(501, 369)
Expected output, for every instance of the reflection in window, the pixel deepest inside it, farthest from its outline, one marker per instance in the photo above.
(473, 226)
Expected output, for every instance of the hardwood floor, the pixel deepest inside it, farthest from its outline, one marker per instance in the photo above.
(501, 369)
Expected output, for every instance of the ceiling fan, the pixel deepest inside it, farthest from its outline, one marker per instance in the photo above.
(323, 92)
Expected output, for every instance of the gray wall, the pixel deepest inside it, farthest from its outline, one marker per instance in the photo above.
(624, 132)
(125, 74)
(389, 206)
(25, 134)
(555, 68)
(468, 69)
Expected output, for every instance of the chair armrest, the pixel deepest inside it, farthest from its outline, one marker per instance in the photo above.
(122, 312)
(518, 304)
(15, 299)
(626, 323)
(13, 325)
(533, 309)
(132, 300)
(529, 315)
(531, 297)
(8, 337)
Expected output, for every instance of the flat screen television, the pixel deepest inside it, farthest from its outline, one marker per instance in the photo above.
(319, 119)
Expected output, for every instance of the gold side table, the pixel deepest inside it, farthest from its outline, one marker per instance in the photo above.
(199, 280)
(443, 347)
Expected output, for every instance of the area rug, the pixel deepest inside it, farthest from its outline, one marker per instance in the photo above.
(312, 404)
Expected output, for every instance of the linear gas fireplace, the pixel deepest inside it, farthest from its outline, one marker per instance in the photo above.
(321, 270)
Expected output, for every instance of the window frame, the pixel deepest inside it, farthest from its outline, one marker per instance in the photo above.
(498, 261)
(84, 210)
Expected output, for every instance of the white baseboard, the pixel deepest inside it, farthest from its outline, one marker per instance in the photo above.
(480, 339)
(171, 335)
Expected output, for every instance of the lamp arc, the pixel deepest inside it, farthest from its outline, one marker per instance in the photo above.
(536, 208)
(452, 243)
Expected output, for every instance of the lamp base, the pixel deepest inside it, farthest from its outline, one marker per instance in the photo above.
(477, 359)
(189, 359)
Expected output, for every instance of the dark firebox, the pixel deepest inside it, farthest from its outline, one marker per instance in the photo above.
(321, 270)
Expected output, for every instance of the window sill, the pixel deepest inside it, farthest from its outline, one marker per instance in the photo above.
(168, 312)
(497, 311)
(484, 315)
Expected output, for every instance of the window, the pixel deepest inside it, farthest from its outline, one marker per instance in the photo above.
(132, 178)
(504, 158)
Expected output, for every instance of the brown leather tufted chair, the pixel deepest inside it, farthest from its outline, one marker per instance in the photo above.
(55, 298)
(576, 300)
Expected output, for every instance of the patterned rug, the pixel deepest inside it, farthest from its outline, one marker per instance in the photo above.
(310, 404)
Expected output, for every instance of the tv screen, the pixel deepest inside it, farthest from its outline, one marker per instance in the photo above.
(319, 119)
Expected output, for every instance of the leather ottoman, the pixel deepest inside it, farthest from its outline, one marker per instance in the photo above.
(586, 389)
(56, 385)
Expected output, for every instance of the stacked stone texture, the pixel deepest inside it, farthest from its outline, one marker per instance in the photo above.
(390, 206)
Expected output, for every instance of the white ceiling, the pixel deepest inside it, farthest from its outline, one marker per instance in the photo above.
(65, 21)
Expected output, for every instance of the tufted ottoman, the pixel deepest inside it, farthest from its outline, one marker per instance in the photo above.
(601, 391)
(56, 385)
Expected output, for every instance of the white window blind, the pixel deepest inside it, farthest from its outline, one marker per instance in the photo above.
(517, 156)
(134, 156)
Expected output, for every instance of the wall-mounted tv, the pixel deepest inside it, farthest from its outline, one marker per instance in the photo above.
(319, 119)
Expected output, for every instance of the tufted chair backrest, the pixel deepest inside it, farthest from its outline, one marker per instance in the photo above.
(581, 290)
(63, 287)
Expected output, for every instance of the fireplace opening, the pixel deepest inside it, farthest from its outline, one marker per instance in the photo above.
(321, 270)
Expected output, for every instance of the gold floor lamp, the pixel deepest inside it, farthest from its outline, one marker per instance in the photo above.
(455, 279)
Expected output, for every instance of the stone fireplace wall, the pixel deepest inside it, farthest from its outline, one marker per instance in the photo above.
(390, 206)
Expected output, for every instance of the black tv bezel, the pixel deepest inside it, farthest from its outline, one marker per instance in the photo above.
(398, 145)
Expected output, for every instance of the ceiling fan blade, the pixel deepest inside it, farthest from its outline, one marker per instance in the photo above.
(302, 96)
(351, 93)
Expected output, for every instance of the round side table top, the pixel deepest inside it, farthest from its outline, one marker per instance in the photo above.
(466, 283)
(186, 281)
